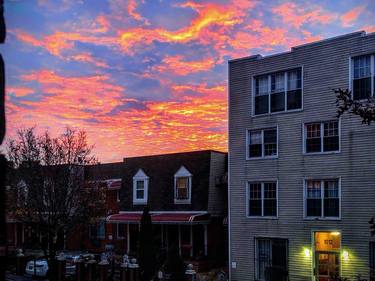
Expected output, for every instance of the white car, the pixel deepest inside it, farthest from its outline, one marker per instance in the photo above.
(37, 268)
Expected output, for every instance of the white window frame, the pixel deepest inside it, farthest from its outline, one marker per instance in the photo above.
(140, 176)
(253, 92)
(248, 143)
(182, 173)
(304, 134)
(372, 74)
(322, 180)
(262, 199)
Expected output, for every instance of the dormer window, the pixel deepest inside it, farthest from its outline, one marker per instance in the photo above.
(182, 183)
(140, 187)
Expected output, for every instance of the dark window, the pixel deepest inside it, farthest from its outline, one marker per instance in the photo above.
(317, 140)
(255, 146)
(331, 136)
(331, 199)
(270, 142)
(322, 198)
(261, 95)
(313, 138)
(182, 188)
(294, 94)
(278, 92)
(362, 77)
(272, 259)
(140, 190)
(313, 199)
(270, 199)
(263, 199)
(255, 199)
(263, 143)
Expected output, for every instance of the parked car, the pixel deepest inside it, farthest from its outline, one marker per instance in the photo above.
(37, 267)
(72, 259)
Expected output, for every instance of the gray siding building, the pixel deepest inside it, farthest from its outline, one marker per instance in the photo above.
(301, 181)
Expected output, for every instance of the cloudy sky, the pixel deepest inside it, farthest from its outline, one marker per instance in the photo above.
(149, 77)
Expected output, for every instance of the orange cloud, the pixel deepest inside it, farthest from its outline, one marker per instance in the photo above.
(297, 16)
(351, 16)
(88, 58)
(132, 6)
(177, 65)
(19, 91)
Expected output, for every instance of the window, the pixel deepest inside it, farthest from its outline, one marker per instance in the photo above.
(278, 92)
(140, 187)
(363, 81)
(262, 199)
(322, 198)
(182, 188)
(271, 259)
(262, 143)
(321, 137)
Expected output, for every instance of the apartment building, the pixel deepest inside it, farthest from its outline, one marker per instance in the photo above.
(301, 181)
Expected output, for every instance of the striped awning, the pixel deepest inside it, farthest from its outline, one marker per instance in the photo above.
(163, 217)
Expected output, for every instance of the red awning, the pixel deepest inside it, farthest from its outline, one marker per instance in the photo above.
(114, 183)
(125, 217)
(163, 218)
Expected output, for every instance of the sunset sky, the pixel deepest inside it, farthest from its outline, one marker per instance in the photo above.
(148, 77)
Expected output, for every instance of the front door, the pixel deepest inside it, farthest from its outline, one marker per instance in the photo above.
(327, 265)
(327, 255)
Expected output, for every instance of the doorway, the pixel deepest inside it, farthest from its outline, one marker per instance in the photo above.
(327, 246)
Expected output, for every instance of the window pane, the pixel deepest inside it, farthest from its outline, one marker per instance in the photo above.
(261, 84)
(361, 88)
(182, 188)
(362, 67)
(140, 193)
(277, 82)
(313, 201)
(277, 102)
(270, 142)
(294, 99)
(277, 92)
(261, 104)
(255, 147)
(331, 136)
(255, 199)
(294, 79)
(270, 200)
(331, 198)
(313, 139)
(140, 184)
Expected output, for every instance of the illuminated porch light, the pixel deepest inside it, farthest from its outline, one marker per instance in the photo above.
(345, 255)
(307, 252)
(335, 233)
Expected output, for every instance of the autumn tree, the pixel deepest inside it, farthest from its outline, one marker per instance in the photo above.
(365, 109)
(48, 191)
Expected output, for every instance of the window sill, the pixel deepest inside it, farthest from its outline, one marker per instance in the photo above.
(276, 113)
(262, 158)
(321, 153)
(263, 217)
(321, 219)
(139, 202)
(176, 201)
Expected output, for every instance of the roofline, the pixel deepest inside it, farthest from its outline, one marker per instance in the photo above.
(361, 33)
(176, 153)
